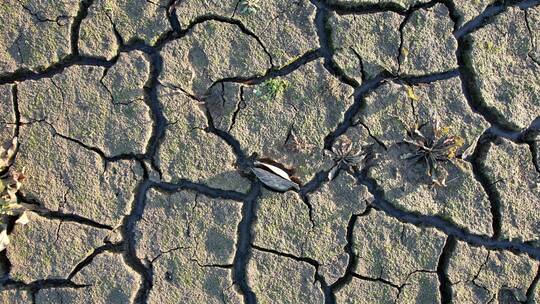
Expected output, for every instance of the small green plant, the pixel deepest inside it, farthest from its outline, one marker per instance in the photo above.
(248, 7)
(107, 7)
(271, 89)
(432, 148)
(10, 183)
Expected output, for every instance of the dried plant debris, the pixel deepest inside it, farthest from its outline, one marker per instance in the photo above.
(394, 107)
(347, 155)
(275, 176)
(433, 146)
(311, 106)
(7, 153)
(10, 183)
(411, 95)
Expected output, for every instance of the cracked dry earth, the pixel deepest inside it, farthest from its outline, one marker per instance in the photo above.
(137, 120)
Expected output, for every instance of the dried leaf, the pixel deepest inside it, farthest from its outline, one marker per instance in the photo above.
(12, 194)
(407, 156)
(16, 209)
(4, 239)
(274, 169)
(23, 219)
(274, 181)
(10, 184)
(470, 149)
(459, 141)
(6, 156)
(405, 52)
(461, 164)
(411, 95)
(440, 183)
(329, 153)
(333, 172)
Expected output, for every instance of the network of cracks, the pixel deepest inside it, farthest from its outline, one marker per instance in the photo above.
(139, 122)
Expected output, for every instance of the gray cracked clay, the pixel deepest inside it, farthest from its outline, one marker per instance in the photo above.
(136, 120)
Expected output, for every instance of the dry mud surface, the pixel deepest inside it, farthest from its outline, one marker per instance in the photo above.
(138, 120)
